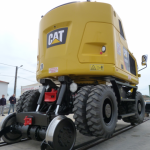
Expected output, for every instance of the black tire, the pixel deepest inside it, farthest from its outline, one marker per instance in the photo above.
(80, 110)
(133, 108)
(122, 111)
(21, 99)
(30, 102)
(126, 120)
(102, 122)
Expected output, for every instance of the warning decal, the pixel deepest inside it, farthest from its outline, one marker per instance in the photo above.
(118, 49)
(53, 70)
(96, 67)
(126, 59)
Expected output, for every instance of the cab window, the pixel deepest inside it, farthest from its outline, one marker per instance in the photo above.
(121, 29)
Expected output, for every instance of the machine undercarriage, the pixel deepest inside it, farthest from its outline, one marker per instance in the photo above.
(47, 121)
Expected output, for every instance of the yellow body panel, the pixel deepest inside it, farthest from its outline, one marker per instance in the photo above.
(90, 25)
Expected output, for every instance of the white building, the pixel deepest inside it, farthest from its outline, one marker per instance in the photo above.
(3, 88)
(30, 87)
(34, 87)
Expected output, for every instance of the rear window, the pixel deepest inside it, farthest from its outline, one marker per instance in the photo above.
(121, 29)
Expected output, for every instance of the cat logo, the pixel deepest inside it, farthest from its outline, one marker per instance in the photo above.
(57, 37)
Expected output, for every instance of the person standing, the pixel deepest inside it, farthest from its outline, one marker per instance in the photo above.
(12, 100)
(2, 104)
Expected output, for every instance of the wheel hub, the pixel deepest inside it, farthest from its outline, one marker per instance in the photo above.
(61, 133)
(65, 136)
(139, 107)
(108, 110)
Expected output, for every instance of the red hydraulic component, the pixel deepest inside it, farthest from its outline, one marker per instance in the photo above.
(27, 121)
(50, 96)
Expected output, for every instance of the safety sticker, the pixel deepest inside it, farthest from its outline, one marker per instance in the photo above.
(118, 49)
(96, 67)
(126, 59)
(129, 77)
(53, 70)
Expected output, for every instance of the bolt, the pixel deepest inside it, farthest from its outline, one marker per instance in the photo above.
(68, 141)
(61, 143)
(65, 128)
(70, 131)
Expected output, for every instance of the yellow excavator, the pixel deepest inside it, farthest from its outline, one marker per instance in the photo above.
(82, 46)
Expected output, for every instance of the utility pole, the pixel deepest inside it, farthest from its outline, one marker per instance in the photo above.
(15, 85)
(149, 90)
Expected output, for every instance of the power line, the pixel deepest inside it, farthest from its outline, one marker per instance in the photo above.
(8, 65)
(18, 67)
(7, 76)
(26, 79)
(18, 77)
(27, 70)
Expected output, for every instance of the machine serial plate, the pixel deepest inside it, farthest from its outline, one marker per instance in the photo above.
(96, 67)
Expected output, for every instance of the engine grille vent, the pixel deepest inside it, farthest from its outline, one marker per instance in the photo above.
(132, 65)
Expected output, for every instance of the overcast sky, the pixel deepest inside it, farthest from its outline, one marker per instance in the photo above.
(19, 24)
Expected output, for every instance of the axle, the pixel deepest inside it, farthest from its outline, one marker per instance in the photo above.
(33, 132)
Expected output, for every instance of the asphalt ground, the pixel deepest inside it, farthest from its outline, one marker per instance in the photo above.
(136, 138)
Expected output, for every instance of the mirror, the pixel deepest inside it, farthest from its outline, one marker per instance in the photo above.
(144, 60)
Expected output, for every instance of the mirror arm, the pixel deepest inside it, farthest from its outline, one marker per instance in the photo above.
(142, 68)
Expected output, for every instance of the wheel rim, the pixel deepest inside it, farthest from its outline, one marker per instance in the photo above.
(139, 107)
(107, 111)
